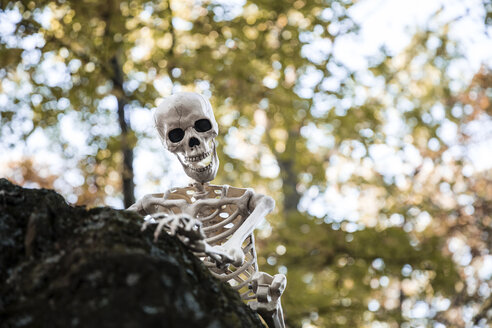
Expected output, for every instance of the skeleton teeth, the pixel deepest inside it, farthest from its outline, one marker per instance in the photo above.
(200, 163)
(206, 161)
(200, 169)
(193, 159)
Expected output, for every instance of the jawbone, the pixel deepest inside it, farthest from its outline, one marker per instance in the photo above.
(202, 168)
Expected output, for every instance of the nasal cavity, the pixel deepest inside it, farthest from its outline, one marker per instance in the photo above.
(193, 142)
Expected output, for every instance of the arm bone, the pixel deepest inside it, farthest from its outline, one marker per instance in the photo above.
(260, 205)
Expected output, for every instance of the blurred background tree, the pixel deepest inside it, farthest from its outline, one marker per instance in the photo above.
(379, 169)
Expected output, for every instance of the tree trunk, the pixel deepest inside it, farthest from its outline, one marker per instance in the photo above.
(286, 162)
(125, 137)
(127, 152)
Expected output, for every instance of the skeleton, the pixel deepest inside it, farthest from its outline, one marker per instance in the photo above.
(215, 222)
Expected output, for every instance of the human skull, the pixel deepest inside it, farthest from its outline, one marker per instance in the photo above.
(186, 124)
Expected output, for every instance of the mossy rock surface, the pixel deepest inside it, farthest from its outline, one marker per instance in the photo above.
(63, 266)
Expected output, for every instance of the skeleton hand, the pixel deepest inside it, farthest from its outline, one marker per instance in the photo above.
(267, 290)
(184, 226)
(189, 231)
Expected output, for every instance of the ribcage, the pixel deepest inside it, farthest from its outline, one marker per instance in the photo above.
(221, 210)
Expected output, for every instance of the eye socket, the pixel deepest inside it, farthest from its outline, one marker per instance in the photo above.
(176, 135)
(203, 125)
